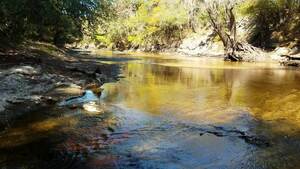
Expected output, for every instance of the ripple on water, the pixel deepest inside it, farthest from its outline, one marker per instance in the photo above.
(168, 113)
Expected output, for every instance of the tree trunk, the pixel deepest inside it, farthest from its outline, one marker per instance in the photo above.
(226, 30)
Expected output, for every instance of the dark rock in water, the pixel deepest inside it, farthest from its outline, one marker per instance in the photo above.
(257, 141)
(218, 134)
(78, 101)
(220, 131)
(14, 101)
(111, 129)
(50, 100)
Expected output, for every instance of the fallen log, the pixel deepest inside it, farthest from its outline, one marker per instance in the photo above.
(290, 60)
(290, 57)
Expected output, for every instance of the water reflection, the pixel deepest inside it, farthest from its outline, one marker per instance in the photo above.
(268, 93)
(260, 99)
(168, 112)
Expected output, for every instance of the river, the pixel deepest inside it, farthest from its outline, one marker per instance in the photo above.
(168, 112)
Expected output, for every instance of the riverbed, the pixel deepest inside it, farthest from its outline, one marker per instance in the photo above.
(167, 111)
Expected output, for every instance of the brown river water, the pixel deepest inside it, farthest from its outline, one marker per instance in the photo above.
(168, 112)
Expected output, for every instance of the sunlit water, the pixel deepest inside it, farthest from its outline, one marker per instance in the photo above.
(168, 112)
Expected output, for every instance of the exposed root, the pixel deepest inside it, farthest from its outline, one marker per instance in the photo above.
(244, 52)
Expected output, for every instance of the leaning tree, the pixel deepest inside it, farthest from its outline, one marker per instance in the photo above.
(223, 21)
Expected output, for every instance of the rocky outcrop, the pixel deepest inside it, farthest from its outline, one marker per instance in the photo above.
(287, 56)
(204, 45)
(280, 51)
(21, 88)
(201, 45)
(26, 87)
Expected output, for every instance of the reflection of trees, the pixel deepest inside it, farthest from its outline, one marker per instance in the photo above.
(265, 92)
(154, 86)
(268, 100)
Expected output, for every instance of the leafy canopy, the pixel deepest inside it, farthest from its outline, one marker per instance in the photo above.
(58, 21)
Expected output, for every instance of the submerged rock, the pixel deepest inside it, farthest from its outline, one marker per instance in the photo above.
(26, 70)
(79, 101)
(21, 88)
(248, 137)
(259, 141)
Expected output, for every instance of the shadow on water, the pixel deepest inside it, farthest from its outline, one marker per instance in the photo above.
(109, 59)
(59, 138)
(168, 116)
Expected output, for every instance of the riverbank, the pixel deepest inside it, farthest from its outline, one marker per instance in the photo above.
(204, 45)
(243, 107)
(38, 75)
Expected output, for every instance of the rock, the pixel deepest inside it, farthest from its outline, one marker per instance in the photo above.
(294, 50)
(88, 96)
(257, 141)
(100, 77)
(49, 99)
(45, 77)
(218, 134)
(81, 82)
(67, 84)
(21, 86)
(278, 52)
(14, 101)
(26, 70)
(200, 45)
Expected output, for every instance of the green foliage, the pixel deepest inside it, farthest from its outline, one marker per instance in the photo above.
(145, 24)
(58, 21)
(272, 20)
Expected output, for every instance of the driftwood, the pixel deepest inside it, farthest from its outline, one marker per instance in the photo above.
(290, 60)
(289, 57)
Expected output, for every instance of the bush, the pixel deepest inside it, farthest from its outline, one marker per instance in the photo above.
(272, 21)
(47, 20)
(147, 24)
